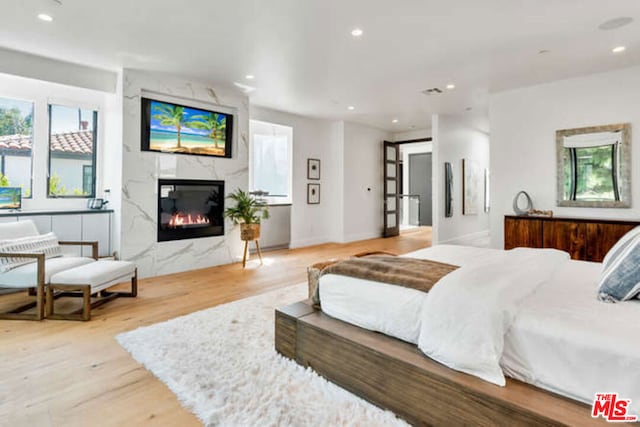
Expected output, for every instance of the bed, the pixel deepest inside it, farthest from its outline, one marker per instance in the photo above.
(560, 338)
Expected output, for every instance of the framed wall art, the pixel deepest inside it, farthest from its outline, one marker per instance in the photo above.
(470, 187)
(313, 169)
(313, 194)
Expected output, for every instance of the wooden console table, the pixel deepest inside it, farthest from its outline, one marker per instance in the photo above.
(584, 239)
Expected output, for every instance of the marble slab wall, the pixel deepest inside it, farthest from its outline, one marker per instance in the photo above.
(141, 171)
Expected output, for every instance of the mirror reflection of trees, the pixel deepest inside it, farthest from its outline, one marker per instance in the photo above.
(594, 173)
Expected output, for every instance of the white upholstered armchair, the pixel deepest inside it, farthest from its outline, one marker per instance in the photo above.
(29, 259)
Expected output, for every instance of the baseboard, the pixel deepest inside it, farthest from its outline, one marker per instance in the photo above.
(465, 238)
(362, 236)
(269, 248)
(308, 242)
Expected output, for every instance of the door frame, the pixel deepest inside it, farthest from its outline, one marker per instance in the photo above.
(391, 229)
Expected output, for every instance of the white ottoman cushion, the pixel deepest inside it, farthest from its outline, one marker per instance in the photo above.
(26, 276)
(99, 275)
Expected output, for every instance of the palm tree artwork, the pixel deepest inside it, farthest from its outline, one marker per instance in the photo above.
(180, 129)
(209, 122)
(170, 115)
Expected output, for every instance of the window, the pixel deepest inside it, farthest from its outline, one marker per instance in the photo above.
(72, 151)
(16, 144)
(270, 161)
(87, 178)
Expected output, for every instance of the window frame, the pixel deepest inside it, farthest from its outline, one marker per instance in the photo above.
(94, 154)
(271, 200)
(33, 142)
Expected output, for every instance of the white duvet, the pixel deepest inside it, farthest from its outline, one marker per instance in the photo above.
(467, 314)
(530, 313)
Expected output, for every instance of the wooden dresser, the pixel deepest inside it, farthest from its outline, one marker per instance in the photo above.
(585, 239)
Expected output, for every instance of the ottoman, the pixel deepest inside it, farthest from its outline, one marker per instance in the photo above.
(87, 280)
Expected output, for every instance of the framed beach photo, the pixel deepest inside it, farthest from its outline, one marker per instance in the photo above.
(313, 194)
(180, 129)
(313, 168)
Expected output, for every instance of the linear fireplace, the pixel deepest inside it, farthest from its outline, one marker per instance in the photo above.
(189, 209)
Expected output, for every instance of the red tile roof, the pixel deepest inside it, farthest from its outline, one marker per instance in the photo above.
(80, 142)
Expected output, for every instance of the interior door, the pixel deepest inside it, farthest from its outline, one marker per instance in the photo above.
(392, 189)
(420, 184)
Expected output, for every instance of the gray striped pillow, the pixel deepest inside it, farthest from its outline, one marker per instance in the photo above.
(46, 244)
(620, 279)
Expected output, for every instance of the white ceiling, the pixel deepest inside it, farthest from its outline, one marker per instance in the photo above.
(305, 60)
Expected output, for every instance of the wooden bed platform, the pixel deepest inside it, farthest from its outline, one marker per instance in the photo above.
(393, 374)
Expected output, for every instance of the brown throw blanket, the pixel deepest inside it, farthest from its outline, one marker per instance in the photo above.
(420, 274)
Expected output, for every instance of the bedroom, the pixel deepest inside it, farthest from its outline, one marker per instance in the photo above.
(510, 76)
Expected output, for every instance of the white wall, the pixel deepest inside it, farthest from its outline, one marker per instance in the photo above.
(335, 195)
(363, 181)
(411, 134)
(523, 126)
(454, 139)
(350, 183)
(141, 170)
(41, 93)
(312, 138)
(110, 161)
(51, 70)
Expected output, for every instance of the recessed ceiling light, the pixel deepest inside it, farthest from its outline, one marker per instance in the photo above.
(618, 49)
(249, 77)
(245, 88)
(357, 32)
(45, 17)
(615, 23)
(351, 108)
(394, 121)
(451, 86)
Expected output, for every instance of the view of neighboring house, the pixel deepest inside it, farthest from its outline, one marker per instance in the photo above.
(71, 162)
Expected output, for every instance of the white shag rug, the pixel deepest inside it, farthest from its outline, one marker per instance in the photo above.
(222, 365)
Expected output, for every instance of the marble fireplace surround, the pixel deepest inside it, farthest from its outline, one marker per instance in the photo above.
(142, 170)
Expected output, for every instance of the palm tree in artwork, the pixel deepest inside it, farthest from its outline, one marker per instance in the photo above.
(209, 122)
(170, 115)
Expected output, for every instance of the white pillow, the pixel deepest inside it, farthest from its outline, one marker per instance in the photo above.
(46, 244)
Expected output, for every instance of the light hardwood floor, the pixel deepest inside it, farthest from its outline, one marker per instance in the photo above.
(55, 373)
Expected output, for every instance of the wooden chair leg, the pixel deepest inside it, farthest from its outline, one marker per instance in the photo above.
(86, 303)
(259, 253)
(244, 257)
(49, 301)
(134, 284)
(40, 302)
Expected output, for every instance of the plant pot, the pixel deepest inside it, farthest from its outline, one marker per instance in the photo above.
(249, 232)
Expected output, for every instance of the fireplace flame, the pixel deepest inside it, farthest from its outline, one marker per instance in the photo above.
(180, 220)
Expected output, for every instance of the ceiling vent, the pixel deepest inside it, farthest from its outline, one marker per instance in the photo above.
(432, 91)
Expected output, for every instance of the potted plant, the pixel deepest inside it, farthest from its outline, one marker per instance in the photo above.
(248, 211)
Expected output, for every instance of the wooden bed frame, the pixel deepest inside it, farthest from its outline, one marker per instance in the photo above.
(394, 375)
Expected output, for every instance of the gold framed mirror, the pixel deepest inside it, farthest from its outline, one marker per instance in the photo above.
(594, 166)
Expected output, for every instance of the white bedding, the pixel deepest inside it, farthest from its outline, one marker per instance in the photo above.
(565, 340)
(392, 310)
(561, 337)
(467, 314)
